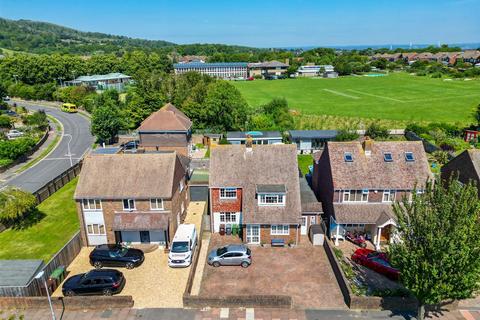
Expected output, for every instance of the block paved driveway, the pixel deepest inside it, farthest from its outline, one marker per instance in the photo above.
(303, 272)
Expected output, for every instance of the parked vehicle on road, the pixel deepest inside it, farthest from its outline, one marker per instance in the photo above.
(183, 246)
(377, 261)
(356, 238)
(231, 255)
(116, 256)
(69, 108)
(95, 282)
(13, 134)
(6, 98)
(11, 113)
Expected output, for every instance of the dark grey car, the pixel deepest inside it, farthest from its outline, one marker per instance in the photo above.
(231, 255)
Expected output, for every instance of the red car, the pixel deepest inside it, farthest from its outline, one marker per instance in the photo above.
(377, 261)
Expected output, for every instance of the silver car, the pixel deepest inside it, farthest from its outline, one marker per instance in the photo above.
(231, 255)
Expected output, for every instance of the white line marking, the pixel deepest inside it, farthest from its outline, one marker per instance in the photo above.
(61, 159)
(341, 94)
(224, 313)
(376, 96)
(444, 98)
(250, 314)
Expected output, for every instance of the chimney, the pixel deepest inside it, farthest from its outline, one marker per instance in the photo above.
(249, 143)
(367, 146)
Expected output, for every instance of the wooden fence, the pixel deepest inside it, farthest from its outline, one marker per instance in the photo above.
(56, 183)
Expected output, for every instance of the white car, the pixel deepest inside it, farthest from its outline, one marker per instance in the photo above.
(12, 134)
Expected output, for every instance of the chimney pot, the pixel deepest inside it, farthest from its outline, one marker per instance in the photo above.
(367, 146)
(249, 143)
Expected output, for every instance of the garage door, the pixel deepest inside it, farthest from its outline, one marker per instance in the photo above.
(198, 193)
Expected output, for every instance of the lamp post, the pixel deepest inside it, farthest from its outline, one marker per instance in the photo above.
(40, 276)
(69, 154)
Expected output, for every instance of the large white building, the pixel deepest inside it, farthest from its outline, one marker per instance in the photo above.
(222, 70)
(326, 71)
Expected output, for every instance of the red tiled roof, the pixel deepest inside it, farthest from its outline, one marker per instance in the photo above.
(168, 118)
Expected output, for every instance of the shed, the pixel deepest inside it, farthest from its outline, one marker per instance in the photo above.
(17, 277)
(308, 141)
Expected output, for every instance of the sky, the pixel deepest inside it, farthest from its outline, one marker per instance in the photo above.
(264, 23)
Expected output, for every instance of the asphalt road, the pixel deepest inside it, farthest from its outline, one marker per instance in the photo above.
(57, 161)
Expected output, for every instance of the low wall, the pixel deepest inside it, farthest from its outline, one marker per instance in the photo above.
(255, 301)
(71, 303)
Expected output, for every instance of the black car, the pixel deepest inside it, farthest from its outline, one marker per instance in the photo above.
(116, 256)
(95, 282)
(131, 145)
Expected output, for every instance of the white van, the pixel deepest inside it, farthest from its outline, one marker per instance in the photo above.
(183, 246)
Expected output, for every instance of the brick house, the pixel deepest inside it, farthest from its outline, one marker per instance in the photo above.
(256, 187)
(465, 167)
(136, 198)
(358, 182)
(167, 129)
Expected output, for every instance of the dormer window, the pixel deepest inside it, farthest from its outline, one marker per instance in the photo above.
(271, 199)
(409, 157)
(387, 157)
(347, 156)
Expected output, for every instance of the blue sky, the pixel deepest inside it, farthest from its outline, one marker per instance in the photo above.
(264, 23)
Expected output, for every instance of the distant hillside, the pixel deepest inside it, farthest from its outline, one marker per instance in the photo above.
(44, 37)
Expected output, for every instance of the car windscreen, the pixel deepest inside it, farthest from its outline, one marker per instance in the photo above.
(120, 252)
(221, 251)
(180, 246)
(382, 262)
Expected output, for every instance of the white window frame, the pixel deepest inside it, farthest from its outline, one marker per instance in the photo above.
(157, 207)
(346, 193)
(389, 194)
(355, 195)
(96, 229)
(128, 201)
(89, 205)
(279, 229)
(280, 199)
(225, 192)
(228, 217)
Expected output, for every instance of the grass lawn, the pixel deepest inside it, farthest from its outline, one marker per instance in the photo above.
(44, 238)
(398, 96)
(304, 160)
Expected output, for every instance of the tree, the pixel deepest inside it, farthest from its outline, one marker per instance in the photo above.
(439, 249)
(375, 131)
(15, 204)
(5, 122)
(346, 135)
(106, 121)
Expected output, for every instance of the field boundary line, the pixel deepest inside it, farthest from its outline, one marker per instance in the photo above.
(341, 94)
(376, 96)
(444, 98)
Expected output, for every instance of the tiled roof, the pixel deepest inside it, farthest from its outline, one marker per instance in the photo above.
(368, 213)
(310, 204)
(313, 134)
(254, 134)
(168, 118)
(372, 171)
(137, 221)
(234, 166)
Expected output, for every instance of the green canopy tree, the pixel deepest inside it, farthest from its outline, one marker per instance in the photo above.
(106, 122)
(15, 204)
(375, 131)
(439, 249)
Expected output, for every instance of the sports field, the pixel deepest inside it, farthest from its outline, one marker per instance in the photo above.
(398, 96)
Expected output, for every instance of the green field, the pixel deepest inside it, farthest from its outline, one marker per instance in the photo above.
(398, 97)
(58, 222)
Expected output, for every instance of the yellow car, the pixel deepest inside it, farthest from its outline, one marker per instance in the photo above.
(69, 107)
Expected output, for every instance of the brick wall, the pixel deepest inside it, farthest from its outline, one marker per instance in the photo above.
(180, 150)
(221, 205)
(70, 303)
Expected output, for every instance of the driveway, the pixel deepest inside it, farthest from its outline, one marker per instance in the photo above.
(57, 161)
(303, 272)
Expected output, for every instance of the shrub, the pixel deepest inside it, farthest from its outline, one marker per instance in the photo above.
(15, 204)
(13, 149)
(347, 135)
(374, 131)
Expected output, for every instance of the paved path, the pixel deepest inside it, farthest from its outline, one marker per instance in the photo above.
(56, 162)
(234, 314)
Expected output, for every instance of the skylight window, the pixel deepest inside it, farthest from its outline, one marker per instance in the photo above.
(409, 156)
(348, 157)
(387, 156)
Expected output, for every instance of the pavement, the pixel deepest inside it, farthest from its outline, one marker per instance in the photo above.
(78, 126)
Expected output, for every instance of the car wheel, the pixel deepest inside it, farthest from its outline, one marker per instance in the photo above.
(107, 292)
(69, 293)
(216, 264)
(98, 265)
(245, 264)
(129, 265)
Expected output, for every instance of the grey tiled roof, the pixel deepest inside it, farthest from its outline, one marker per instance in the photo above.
(309, 201)
(313, 134)
(368, 213)
(254, 134)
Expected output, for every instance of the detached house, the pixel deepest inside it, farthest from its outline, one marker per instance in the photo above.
(136, 198)
(167, 129)
(256, 187)
(358, 182)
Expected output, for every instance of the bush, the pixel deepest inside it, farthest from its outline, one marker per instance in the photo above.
(15, 204)
(5, 122)
(376, 131)
(347, 135)
(14, 149)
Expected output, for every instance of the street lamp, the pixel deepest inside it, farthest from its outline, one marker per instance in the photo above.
(40, 276)
(69, 154)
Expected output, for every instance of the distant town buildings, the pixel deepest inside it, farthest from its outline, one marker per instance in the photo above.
(326, 71)
(102, 81)
(221, 70)
(267, 69)
(447, 58)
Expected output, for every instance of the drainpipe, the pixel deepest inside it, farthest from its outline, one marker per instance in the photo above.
(296, 240)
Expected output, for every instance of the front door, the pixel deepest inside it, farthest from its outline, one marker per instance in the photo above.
(303, 226)
(144, 237)
(253, 233)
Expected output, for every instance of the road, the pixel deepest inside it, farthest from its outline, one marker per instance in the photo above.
(78, 126)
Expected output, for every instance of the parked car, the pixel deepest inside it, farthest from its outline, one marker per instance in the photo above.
(231, 255)
(13, 134)
(95, 282)
(11, 113)
(130, 145)
(6, 98)
(377, 261)
(116, 256)
(250, 78)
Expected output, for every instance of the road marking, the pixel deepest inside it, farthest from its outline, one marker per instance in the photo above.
(67, 158)
(341, 94)
(249, 314)
(224, 313)
(376, 96)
